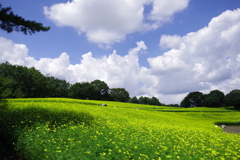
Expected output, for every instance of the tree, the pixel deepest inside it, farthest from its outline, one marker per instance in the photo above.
(214, 99)
(5, 87)
(29, 82)
(11, 22)
(4, 91)
(218, 94)
(154, 101)
(133, 100)
(57, 87)
(83, 90)
(35, 83)
(7, 90)
(102, 90)
(233, 99)
(119, 94)
(144, 100)
(193, 99)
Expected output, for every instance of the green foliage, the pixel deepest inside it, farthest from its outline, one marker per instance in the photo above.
(84, 90)
(57, 87)
(5, 87)
(233, 99)
(8, 85)
(102, 90)
(26, 82)
(214, 99)
(119, 94)
(218, 94)
(134, 100)
(154, 101)
(11, 22)
(193, 99)
(144, 100)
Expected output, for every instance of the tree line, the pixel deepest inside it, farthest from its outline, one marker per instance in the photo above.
(215, 98)
(22, 82)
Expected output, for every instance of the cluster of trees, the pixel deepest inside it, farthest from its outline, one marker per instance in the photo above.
(215, 98)
(98, 90)
(22, 82)
(145, 100)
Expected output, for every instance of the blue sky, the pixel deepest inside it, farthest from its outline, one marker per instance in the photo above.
(162, 48)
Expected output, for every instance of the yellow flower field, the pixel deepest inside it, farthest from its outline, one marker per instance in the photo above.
(54, 128)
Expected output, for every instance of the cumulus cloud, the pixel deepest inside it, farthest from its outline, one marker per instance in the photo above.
(168, 63)
(14, 53)
(115, 70)
(199, 61)
(105, 22)
(57, 67)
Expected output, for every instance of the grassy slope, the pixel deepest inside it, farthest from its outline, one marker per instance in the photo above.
(67, 127)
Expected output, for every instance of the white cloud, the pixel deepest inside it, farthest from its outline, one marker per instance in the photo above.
(163, 10)
(167, 41)
(57, 67)
(201, 60)
(14, 53)
(168, 63)
(107, 22)
(115, 70)
(103, 21)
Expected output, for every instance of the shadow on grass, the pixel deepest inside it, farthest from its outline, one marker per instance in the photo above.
(12, 121)
(3, 104)
(6, 146)
(232, 109)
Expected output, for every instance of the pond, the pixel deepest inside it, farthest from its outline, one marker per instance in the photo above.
(232, 129)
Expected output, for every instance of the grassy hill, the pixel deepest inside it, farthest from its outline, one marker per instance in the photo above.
(58, 128)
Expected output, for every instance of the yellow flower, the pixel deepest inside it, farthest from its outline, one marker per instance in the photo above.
(103, 154)
(169, 156)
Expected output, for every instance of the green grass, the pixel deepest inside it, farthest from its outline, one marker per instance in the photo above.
(59, 128)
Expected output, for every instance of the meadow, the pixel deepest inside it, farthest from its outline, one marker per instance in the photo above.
(59, 128)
